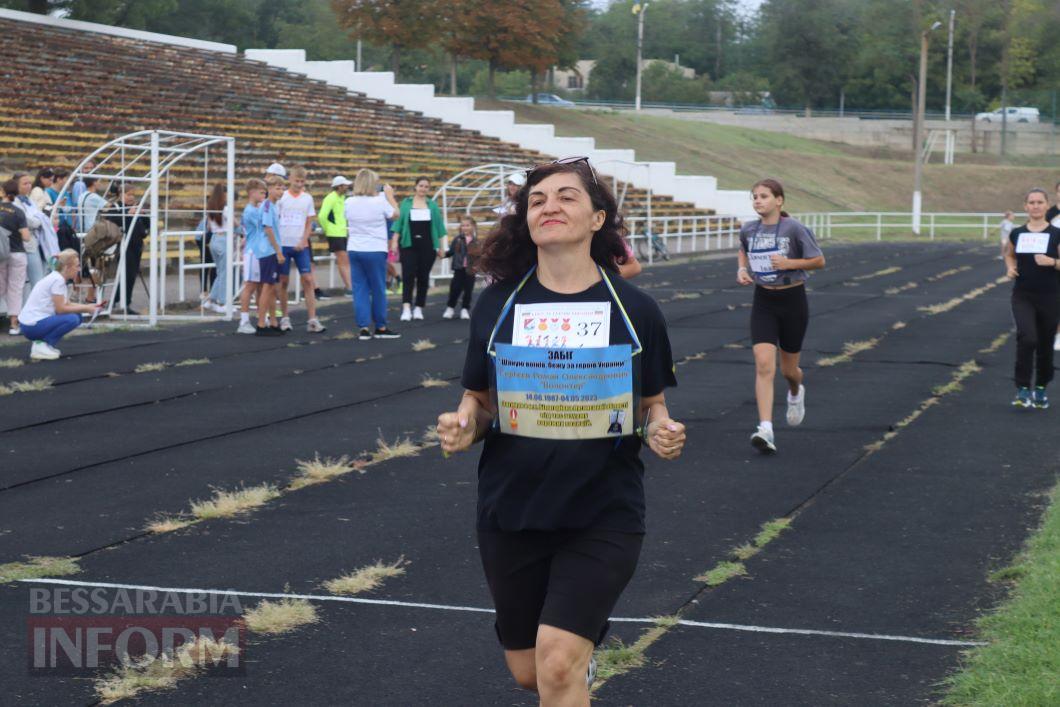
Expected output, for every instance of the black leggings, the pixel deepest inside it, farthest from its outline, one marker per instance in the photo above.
(462, 281)
(206, 276)
(416, 264)
(780, 317)
(1036, 315)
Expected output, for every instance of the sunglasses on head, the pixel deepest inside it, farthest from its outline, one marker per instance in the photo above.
(565, 160)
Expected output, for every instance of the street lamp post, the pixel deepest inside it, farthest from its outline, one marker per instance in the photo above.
(918, 127)
(639, 10)
(951, 135)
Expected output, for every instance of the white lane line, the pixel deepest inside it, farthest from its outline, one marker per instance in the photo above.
(480, 610)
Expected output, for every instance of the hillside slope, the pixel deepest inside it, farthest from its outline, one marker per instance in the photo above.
(818, 176)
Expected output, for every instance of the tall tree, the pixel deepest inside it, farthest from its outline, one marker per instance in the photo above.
(398, 23)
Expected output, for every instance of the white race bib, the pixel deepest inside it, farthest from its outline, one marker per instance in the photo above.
(566, 325)
(420, 215)
(761, 261)
(1032, 243)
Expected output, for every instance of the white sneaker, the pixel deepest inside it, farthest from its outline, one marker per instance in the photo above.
(762, 440)
(40, 351)
(315, 327)
(464, 314)
(448, 313)
(417, 313)
(213, 306)
(15, 331)
(406, 314)
(797, 407)
(1056, 343)
(285, 324)
(246, 328)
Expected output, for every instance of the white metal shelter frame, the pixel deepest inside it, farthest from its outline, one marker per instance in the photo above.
(145, 159)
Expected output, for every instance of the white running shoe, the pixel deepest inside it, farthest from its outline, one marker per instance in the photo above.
(285, 324)
(417, 313)
(213, 306)
(406, 314)
(41, 351)
(464, 314)
(246, 328)
(315, 327)
(762, 440)
(1056, 343)
(15, 331)
(797, 407)
(590, 674)
(448, 313)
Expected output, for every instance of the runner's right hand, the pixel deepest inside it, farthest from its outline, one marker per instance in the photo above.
(280, 258)
(456, 430)
(743, 277)
(1012, 273)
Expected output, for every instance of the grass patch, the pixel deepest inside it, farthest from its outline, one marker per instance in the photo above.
(946, 273)
(996, 344)
(345, 336)
(318, 471)
(423, 345)
(850, 350)
(686, 295)
(192, 362)
(966, 369)
(770, 530)
(11, 362)
(151, 367)
(402, 447)
(366, 578)
(898, 325)
(226, 504)
(429, 381)
(275, 617)
(168, 524)
(721, 573)
(34, 567)
(30, 386)
(151, 674)
(618, 658)
(1020, 664)
(879, 273)
(901, 288)
(955, 302)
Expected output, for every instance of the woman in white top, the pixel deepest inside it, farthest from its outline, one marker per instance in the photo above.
(367, 210)
(47, 315)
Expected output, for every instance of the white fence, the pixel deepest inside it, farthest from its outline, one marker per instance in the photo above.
(880, 224)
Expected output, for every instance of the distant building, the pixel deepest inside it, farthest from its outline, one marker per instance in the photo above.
(576, 79)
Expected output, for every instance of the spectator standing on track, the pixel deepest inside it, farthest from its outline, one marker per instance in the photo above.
(34, 220)
(208, 276)
(332, 218)
(366, 212)
(1053, 217)
(13, 268)
(561, 509)
(91, 202)
(135, 226)
(80, 186)
(420, 228)
(61, 212)
(776, 253)
(463, 249)
(294, 215)
(218, 228)
(261, 266)
(48, 316)
(1032, 260)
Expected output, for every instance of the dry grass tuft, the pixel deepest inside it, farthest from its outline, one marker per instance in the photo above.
(898, 325)
(318, 471)
(167, 524)
(879, 273)
(35, 566)
(345, 336)
(429, 381)
(226, 504)
(996, 344)
(150, 367)
(193, 362)
(402, 447)
(367, 578)
(901, 288)
(31, 386)
(162, 673)
(11, 362)
(686, 295)
(947, 273)
(953, 303)
(275, 617)
(423, 345)
(850, 350)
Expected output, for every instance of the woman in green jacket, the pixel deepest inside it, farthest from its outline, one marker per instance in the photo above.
(418, 231)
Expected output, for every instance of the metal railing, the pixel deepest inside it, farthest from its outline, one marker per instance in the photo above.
(879, 224)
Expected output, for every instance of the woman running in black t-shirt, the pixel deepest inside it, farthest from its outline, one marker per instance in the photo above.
(576, 360)
(1032, 260)
(775, 253)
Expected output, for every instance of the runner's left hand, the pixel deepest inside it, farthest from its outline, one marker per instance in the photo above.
(779, 262)
(666, 438)
(1044, 260)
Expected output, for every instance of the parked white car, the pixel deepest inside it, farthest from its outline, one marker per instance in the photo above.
(1015, 115)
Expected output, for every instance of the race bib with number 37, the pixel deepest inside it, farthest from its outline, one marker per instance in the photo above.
(564, 325)
(1032, 243)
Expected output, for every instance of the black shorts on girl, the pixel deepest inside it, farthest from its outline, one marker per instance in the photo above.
(567, 579)
(780, 317)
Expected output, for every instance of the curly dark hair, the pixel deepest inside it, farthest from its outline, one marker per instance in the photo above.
(509, 252)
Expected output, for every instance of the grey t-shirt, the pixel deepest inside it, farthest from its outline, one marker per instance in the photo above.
(788, 238)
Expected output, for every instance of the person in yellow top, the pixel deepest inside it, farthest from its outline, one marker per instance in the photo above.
(332, 218)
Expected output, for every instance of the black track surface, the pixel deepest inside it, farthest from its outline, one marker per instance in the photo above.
(897, 542)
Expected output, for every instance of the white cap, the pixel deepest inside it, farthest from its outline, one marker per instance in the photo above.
(277, 169)
(340, 181)
(517, 178)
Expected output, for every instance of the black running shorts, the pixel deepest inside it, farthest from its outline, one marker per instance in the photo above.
(780, 317)
(336, 244)
(568, 579)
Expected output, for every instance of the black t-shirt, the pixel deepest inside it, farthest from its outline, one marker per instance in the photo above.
(536, 484)
(1034, 277)
(1052, 213)
(12, 218)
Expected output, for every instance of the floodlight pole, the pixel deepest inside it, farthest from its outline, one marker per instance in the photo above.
(918, 128)
(639, 10)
